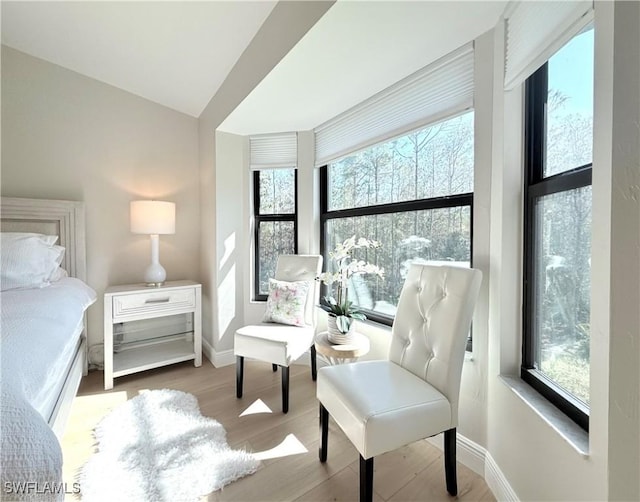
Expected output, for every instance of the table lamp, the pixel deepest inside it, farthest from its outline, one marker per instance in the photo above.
(153, 217)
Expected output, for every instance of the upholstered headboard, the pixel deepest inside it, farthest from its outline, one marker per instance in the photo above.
(63, 218)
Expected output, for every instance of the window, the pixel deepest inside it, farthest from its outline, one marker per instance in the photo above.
(557, 241)
(275, 214)
(414, 195)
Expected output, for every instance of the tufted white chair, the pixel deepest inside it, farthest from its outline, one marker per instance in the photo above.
(383, 405)
(281, 344)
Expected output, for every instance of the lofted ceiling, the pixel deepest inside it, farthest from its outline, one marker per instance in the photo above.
(355, 50)
(179, 53)
(173, 53)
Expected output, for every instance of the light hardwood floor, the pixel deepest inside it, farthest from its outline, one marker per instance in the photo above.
(415, 472)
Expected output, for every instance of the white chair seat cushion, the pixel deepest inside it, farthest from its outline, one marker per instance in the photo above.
(275, 343)
(380, 406)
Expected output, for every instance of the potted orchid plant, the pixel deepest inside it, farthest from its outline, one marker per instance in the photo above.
(342, 312)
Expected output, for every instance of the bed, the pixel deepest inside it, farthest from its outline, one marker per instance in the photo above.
(43, 349)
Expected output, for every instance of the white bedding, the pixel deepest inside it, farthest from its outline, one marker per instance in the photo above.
(40, 331)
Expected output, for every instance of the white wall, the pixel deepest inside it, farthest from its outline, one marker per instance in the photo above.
(231, 244)
(308, 195)
(66, 136)
(473, 390)
(620, 163)
(285, 26)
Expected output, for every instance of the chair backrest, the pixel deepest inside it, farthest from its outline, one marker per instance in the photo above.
(300, 267)
(429, 334)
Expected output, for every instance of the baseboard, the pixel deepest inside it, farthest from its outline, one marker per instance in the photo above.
(207, 350)
(471, 454)
(218, 359)
(497, 482)
(468, 453)
(480, 461)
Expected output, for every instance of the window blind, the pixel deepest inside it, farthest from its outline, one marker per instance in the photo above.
(536, 30)
(437, 91)
(269, 151)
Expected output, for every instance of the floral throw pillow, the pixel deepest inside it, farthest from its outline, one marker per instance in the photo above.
(286, 302)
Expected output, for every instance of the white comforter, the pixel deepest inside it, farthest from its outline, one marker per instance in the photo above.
(40, 331)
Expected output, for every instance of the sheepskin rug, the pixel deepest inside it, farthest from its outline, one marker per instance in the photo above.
(158, 446)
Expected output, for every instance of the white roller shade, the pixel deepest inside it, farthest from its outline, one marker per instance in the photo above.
(439, 90)
(269, 151)
(536, 30)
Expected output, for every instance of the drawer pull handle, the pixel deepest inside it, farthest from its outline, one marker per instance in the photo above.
(157, 300)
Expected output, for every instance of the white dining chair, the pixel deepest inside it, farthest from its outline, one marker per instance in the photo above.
(281, 344)
(383, 405)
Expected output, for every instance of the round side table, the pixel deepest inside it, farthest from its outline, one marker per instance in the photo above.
(338, 354)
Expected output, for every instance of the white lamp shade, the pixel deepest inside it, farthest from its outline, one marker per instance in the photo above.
(153, 217)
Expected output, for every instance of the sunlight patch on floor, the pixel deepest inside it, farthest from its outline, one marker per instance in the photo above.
(290, 445)
(101, 400)
(258, 406)
(88, 410)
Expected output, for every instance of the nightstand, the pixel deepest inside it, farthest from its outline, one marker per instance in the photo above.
(146, 327)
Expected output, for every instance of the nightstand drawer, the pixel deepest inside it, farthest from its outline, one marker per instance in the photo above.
(160, 302)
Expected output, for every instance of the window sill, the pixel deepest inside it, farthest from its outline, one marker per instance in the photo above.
(571, 432)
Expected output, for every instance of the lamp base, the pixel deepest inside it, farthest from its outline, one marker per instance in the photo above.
(155, 275)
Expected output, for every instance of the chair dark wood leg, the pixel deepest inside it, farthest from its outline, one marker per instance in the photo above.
(285, 389)
(324, 433)
(274, 367)
(239, 375)
(450, 461)
(366, 479)
(314, 363)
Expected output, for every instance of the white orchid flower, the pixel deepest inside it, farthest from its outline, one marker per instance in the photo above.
(345, 267)
(350, 243)
(328, 278)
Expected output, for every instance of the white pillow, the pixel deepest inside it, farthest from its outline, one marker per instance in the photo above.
(286, 302)
(28, 260)
(58, 273)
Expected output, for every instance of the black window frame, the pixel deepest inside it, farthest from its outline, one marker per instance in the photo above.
(442, 202)
(536, 185)
(272, 217)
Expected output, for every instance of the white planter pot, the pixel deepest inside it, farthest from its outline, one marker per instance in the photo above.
(334, 334)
